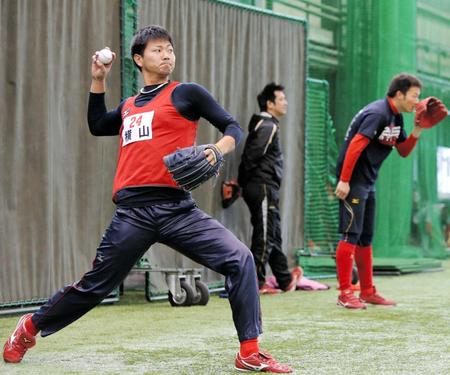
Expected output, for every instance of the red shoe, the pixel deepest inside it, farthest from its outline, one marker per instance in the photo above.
(19, 342)
(296, 274)
(348, 300)
(375, 299)
(267, 289)
(260, 362)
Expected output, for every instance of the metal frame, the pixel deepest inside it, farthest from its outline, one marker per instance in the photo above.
(35, 304)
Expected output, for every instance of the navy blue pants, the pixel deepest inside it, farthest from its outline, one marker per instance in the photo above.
(181, 226)
(357, 215)
(263, 203)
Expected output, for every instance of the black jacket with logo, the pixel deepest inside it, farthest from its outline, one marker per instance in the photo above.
(262, 159)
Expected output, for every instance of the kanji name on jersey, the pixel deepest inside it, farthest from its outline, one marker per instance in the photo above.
(137, 127)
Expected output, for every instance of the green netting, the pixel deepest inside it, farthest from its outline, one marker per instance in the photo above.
(369, 64)
(428, 210)
(394, 187)
(433, 43)
(378, 39)
(321, 206)
(317, 266)
(404, 265)
(441, 89)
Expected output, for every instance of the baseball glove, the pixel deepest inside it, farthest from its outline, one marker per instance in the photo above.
(230, 192)
(429, 112)
(190, 168)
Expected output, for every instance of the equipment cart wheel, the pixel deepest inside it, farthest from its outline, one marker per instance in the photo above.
(184, 298)
(202, 295)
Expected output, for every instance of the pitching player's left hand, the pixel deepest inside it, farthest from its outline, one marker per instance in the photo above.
(190, 166)
(342, 190)
(210, 156)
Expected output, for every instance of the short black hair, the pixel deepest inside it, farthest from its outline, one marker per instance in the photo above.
(403, 82)
(141, 38)
(268, 93)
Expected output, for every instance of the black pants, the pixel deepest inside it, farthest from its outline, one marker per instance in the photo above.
(263, 202)
(357, 215)
(132, 231)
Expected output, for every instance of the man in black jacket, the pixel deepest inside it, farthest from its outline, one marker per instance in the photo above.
(260, 175)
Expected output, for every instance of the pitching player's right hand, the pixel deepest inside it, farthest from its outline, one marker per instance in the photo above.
(99, 70)
(342, 190)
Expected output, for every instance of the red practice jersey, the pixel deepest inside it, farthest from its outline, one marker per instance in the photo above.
(147, 134)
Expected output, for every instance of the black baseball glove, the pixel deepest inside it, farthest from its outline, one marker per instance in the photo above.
(190, 168)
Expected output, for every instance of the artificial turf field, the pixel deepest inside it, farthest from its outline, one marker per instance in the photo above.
(305, 329)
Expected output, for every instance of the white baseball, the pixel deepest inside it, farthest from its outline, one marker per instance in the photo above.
(105, 56)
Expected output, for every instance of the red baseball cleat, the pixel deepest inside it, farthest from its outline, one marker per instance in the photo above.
(267, 289)
(348, 300)
(261, 362)
(375, 299)
(19, 342)
(296, 274)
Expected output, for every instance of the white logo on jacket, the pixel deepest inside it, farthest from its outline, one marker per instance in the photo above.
(390, 135)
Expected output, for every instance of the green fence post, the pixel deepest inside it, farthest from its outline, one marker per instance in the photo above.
(128, 23)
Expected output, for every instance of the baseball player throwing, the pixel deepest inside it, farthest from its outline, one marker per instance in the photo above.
(151, 207)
